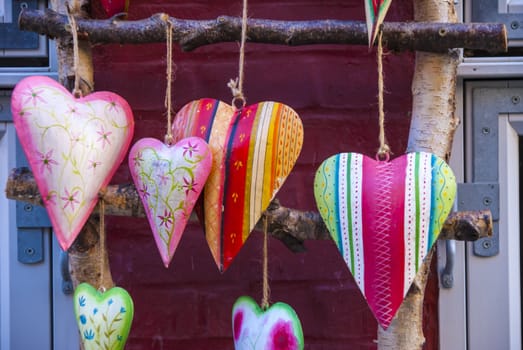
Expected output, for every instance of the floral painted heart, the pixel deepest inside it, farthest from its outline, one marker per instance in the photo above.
(277, 328)
(104, 319)
(73, 145)
(169, 180)
(384, 216)
(253, 150)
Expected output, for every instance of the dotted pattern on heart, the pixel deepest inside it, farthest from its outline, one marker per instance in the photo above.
(253, 151)
(384, 217)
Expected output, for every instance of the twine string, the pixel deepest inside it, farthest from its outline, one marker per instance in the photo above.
(266, 288)
(102, 245)
(77, 92)
(236, 85)
(384, 150)
(169, 139)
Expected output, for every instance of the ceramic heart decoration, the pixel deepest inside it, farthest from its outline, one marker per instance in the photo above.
(104, 319)
(277, 328)
(253, 152)
(73, 145)
(384, 216)
(169, 180)
(113, 7)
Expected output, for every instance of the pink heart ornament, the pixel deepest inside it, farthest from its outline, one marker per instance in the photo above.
(384, 217)
(73, 145)
(277, 328)
(169, 180)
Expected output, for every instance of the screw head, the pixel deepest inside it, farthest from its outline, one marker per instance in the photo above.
(515, 99)
(28, 207)
(514, 25)
(487, 201)
(486, 244)
(29, 251)
(485, 130)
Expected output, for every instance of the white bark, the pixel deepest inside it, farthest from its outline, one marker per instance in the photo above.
(432, 130)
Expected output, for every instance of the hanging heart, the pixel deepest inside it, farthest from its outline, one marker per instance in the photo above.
(384, 216)
(113, 7)
(276, 328)
(104, 319)
(169, 180)
(253, 150)
(73, 145)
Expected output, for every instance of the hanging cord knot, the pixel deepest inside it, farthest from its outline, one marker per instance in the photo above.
(238, 100)
(236, 85)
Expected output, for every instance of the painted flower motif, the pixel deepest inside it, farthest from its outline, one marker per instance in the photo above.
(138, 158)
(81, 301)
(163, 179)
(112, 106)
(72, 110)
(95, 311)
(75, 138)
(145, 192)
(49, 198)
(122, 310)
(104, 136)
(93, 164)
(189, 185)
(166, 219)
(282, 337)
(110, 302)
(46, 161)
(83, 319)
(189, 149)
(24, 113)
(70, 199)
(88, 334)
(33, 96)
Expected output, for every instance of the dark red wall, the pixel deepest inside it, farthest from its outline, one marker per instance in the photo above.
(333, 88)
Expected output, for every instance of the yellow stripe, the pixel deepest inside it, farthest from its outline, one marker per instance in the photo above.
(269, 158)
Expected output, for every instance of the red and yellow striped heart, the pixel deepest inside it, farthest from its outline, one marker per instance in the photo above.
(254, 150)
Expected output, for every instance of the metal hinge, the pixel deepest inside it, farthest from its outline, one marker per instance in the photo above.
(482, 196)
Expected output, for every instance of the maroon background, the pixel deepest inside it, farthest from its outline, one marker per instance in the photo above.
(333, 88)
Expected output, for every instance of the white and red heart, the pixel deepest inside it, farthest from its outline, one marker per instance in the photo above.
(73, 145)
(169, 180)
(104, 319)
(277, 328)
(254, 150)
(384, 217)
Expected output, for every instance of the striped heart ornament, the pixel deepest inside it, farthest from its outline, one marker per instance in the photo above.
(253, 151)
(384, 217)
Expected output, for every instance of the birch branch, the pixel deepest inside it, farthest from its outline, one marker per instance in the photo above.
(191, 34)
(291, 226)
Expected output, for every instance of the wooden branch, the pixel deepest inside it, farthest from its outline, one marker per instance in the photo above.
(291, 226)
(191, 34)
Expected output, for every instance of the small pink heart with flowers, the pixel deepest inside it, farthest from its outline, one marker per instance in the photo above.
(169, 180)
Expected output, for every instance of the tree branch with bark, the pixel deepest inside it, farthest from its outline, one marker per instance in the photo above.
(191, 34)
(291, 226)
